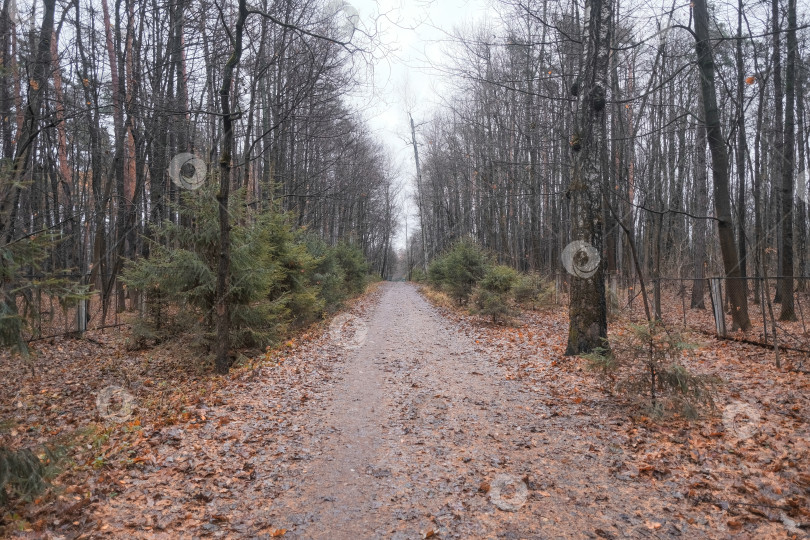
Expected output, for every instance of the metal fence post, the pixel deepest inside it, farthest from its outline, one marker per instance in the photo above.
(81, 316)
(716, 290)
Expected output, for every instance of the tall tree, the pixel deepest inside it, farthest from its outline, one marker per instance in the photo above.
(720, 168)
(12, 185)
(12, 181)
(225, 171)
(587, 313)
(777, 143)
(788, 153)
(701, 206)
(742, 144)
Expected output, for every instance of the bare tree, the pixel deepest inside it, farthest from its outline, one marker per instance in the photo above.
(720, 168)
(788, 155)
(587, 312)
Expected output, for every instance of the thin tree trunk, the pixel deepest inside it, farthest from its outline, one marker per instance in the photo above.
(419, 194)
(225, 170)
(759, 236)
(701, 203)
(7, 32)
(777, 160)
(788, 162)
(742, 145)
(801, 216)
(61, 137)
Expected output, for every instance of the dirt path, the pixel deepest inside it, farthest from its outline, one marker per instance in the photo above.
(411, 411)
(396, 425)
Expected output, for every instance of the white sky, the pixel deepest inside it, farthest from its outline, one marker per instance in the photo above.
(403, 80)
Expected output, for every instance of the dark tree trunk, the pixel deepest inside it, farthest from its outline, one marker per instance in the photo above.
(11, 187)
(224, 267)
(759, 236)
(788, 158)
(720, 172)
(802, 196)
(777, 146)
(587, 312)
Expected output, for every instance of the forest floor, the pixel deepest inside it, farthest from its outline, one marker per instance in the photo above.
(404, 420)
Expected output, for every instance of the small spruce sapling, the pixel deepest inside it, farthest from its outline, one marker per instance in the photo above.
(493, 297)
(647, 362)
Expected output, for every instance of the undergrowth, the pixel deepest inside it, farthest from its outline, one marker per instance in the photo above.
(645, 362)
(24, 474)
(467, 276)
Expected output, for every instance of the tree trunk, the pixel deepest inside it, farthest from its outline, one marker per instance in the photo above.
(788, 162)
(224, 267)
(587, 312)
(720, 172)
(742, 146)
(419, 195)
(777, 146)
(701, 208)
(759, 236)
(802, 197)
(11, 187)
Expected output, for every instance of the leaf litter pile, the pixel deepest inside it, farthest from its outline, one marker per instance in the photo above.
(401, 420)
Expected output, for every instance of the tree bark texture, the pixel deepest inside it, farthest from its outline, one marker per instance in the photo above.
(587, 312)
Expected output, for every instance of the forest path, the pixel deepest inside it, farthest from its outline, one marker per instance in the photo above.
(415, 405)
(395, 424)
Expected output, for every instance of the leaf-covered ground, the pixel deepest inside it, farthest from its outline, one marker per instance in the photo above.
(403, 420)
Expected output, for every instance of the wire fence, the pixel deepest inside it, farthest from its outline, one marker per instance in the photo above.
(704, 304)
(49, 317)
(700, 304)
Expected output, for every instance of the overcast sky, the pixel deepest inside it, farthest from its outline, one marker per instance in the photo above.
(412, 31)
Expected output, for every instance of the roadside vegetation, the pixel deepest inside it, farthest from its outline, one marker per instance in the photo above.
(469, 277)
